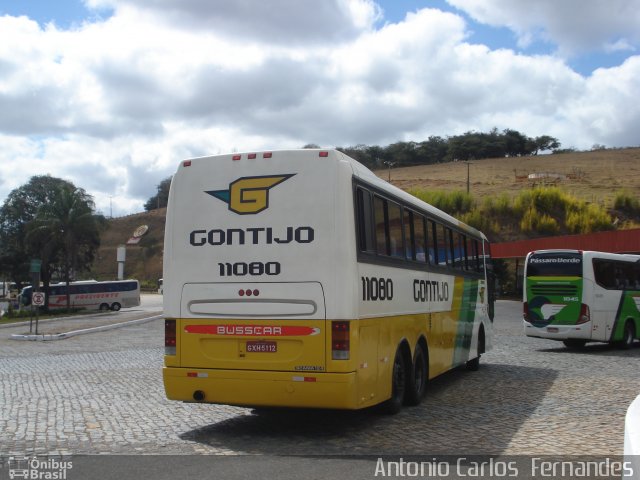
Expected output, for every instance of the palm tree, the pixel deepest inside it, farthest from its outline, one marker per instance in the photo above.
(68, 224)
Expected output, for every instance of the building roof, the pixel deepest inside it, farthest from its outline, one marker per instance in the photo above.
(618, 241)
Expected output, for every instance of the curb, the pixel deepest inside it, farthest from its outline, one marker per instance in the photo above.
(73, 333)
(26, 322)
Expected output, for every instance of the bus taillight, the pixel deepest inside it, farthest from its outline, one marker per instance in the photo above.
(585, 314)
(525, 311)
(169, 336)
(340, 340)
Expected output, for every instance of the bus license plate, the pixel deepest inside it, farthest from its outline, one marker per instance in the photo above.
(264, 347)
(552, 329)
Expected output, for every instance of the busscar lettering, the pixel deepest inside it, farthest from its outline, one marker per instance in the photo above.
(248, 330)
(430, 291)
(251, 236)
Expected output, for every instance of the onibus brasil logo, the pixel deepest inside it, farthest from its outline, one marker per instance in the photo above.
(249, 195)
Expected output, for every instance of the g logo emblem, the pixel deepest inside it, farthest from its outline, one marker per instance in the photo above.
(249, 195)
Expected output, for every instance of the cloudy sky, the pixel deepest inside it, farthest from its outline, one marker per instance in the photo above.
(112, 94)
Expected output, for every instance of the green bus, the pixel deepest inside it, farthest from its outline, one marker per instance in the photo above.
(582, 296)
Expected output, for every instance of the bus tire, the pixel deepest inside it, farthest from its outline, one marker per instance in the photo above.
(398, 384)
(417, 381)
(104, 307)
(115, 306)
(574, 343)
(473, 365)
(628, 335)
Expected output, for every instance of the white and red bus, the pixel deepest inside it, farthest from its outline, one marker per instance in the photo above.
(91, 295)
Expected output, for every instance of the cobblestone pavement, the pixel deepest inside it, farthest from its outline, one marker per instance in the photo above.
(103, 393)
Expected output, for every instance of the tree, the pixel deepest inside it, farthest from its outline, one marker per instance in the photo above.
(67, 225)
(403, 153)
(433, 150)
(161, 198)
(545, 142)
(516, 144)
(18, 210)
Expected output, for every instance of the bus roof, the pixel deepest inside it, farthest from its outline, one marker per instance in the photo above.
(588, 253)
(358, 169)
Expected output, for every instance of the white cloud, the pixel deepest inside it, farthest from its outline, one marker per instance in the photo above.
(575, 26)
(114, 105)
(273, 21)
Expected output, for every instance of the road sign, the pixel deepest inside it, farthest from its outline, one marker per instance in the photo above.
(37, 298)
(36, 265)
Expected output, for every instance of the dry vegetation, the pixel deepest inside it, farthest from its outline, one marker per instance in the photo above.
(594, 177)
(591, 176)
(144, 260)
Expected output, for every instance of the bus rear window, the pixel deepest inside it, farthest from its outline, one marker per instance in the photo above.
(555, 265)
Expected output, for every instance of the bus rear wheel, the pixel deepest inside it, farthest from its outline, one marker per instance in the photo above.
(398, 384)
(417, 382)
(104, 307)
(628, 335)
(115, 306)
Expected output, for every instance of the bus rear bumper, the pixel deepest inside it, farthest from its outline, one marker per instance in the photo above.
(559, 332)
(262, 388)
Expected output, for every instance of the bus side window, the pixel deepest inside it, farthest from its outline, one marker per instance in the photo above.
(382, 234)
(443, 243)
(604, 274)
(636, 277)
(420, 233)
(364, 221)
(432, 242)
(465, 252)
(395, 229)
(448, 235)
(409, 235)
(628, 277)
(457, 250)
(474, 263)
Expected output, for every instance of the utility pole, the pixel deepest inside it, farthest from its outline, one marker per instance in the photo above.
(389, 164)
(468, 181)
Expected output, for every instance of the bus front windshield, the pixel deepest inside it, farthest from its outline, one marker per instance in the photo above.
(555, 264)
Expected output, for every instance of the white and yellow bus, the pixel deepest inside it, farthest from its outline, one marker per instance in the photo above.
(301, 279)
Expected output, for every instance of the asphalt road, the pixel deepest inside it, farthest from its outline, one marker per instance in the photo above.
(102, 394)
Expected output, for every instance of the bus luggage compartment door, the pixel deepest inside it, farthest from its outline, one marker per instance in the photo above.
(253, 326)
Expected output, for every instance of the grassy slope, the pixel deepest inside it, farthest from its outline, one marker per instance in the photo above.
(596, 177)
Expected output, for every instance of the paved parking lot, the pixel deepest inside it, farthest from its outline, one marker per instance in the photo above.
(103, 393)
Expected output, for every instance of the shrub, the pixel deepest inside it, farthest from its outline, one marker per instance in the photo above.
(626, 202)
(545, 200)
(453, 203)
(534, 222)
(501, 205)
(479, 220)
(589, 218)
(537, 211)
